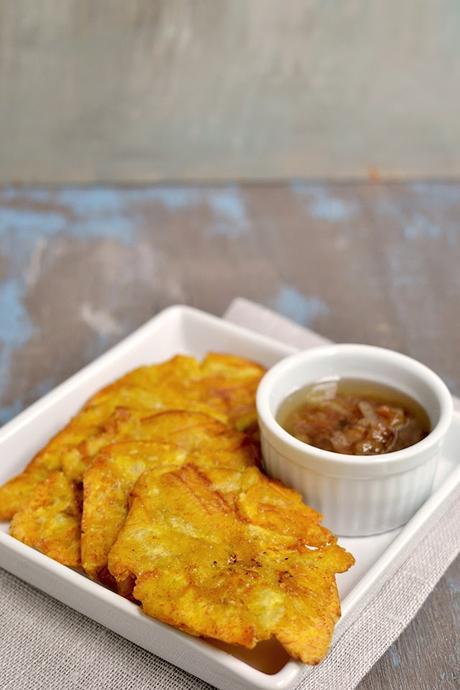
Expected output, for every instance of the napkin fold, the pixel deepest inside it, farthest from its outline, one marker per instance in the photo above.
(46, 645)
(389, 610)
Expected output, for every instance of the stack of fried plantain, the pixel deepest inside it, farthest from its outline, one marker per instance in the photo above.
(153, 489)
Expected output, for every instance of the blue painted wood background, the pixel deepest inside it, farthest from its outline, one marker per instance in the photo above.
(82, 267)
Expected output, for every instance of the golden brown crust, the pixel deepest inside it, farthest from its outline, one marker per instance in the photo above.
(114, 472)
(239, 566)
(51, 521)
(222, 386)
(176, 513)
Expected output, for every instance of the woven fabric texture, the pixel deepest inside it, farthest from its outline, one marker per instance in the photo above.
(44, 644)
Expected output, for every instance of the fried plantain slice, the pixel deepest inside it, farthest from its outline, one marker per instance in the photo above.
(222, 386)
(107, 485)
(239, 567)
(186, 430)
(190, 430)
(233, 381)
(51, 521)
(16, 492)
(114, 472)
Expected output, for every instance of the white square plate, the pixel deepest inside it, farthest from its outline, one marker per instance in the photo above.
(186, 330)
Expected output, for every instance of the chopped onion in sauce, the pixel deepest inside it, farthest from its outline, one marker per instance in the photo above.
(355, 417)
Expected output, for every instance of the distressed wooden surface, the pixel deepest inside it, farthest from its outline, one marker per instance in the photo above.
(376, 263)
(214, 89)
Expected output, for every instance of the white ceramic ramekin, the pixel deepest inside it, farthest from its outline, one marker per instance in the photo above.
(358, 495)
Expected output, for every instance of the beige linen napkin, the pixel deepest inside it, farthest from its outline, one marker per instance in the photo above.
(46, 645)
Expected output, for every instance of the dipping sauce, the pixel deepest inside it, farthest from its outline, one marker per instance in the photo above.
(354, 416)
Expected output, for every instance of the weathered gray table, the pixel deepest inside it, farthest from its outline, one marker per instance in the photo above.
(81, 268)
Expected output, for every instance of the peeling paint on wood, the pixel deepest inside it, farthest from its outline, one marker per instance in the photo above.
(80, 268)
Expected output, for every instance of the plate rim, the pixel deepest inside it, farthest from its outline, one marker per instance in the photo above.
(353, 602)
